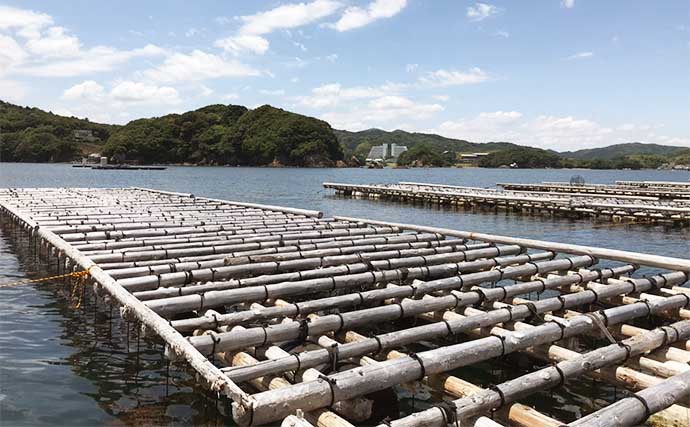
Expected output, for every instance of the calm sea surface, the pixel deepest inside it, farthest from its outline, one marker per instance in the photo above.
(61, 365)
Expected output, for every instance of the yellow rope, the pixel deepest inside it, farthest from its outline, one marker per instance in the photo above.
(78, 274)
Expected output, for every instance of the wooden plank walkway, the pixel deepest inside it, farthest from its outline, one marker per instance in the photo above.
(301, 319)
(532, 202)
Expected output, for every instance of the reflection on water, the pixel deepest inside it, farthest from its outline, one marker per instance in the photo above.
(84, 366)
(66, 366)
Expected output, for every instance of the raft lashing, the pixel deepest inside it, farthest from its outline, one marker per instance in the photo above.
(304, 320)
(615, 203)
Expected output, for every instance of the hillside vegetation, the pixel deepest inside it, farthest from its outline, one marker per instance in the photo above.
(228, 135)
(235, 135)
(618, 151)
(215, 134)
(33, 135)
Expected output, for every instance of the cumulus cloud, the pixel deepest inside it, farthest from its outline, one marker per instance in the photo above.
(197, 65)
(33, 46)
(96, 59)
(385, 112)
(11, 53)
(240, 43)
(443, 78)
(128, 91)
(54, 42)
(27, 23)
(333, 94)
(12, 90)
(356, 17)
(123, 92)
(568, 4)
(550, 131)
(249, 36)
(481, 11)
(86, 90)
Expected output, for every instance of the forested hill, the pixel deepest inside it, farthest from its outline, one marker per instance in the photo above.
(228, 135)
(33, 135)
(360, 142)
(215, 134)
(621, 150)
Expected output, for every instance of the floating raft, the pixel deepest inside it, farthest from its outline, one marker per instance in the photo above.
(303, 320)
(574, 205)
(661, 192)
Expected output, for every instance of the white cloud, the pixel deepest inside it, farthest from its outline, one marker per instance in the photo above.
(411, 68)
(240, 43)
(502, 33)
(27, 23)
(128, 91)
(124, 99)
(481, 11)
(54, 42)
(249, 36)
(333, 94)
(96, 59)
(441, 97)
(568, 4)
(443, 78)
(581, 55)
(124, 92)
(197, 65)
(87, 90)
(356, 17)
(332, 58)
(11, 53)
(548, 131)
(287, 16)
(50, 51)
(230, 96)
(385, 112)
(277, 92)
(12, 91)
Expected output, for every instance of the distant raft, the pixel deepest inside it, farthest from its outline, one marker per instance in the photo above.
(634, 205)
(305, 320)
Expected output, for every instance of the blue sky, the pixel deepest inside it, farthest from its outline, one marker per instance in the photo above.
(561, 74)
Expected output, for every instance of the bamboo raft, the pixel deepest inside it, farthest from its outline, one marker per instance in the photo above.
(624, 188)
(573, 205)
(303, 320)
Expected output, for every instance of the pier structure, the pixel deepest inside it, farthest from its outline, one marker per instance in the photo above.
(304, 320)
(536, 201)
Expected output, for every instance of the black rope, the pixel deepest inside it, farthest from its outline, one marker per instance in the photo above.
(416, 357)
(500, 393)
(449, 413)
(647, 411)
(561, 374)
(331, 382)
(482, 297)
(534, 313)
(562, 328)
(502, 339)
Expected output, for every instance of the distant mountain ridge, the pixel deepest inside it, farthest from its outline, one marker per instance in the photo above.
(350, 140)
(622, 150)
(235, 135)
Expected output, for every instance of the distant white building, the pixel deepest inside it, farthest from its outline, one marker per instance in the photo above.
(385, 152)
